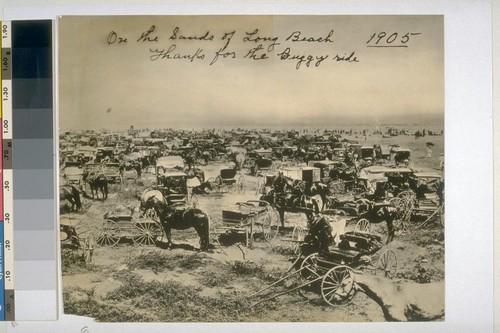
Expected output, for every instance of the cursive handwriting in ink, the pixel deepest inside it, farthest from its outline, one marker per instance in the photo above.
(253, 37)
(146, 36)
(393, 40)
(222, 51)
(296, 36)
(206, 37)
(113, 38)
(170, 55)
(346, 58)
(306, 59)
(256, 53)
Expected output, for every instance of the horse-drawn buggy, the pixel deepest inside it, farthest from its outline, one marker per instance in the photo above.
(228, 180)
(120, 224)
(425, 198)
(112, 172)
(401, 156)
(251, 217)
(73, 174)
(367, 155)
(261, 165)
(332, 268)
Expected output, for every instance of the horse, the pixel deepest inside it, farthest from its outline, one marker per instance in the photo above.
(178, 217)
(72, 195)
(97, 181)
(377, 213)
(239, 159)
(291, 202)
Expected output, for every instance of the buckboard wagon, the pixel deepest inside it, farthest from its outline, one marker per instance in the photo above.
(250, 217)
(334, 271)
(120, 224)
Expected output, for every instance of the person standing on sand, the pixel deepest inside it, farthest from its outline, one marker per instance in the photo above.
(429, 150)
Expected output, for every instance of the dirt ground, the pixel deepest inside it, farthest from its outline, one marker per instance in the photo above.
(130, 282)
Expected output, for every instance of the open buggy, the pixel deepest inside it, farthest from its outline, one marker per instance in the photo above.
(333, 271)
(250, 217)
(428, 199)
(261, 165)
(228, 180)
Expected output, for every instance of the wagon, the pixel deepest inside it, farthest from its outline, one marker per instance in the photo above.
(250, 217)
(76, 237)
(334, 271)
(429, 195)
(260, 165)
(119, 224)
(228, 180)
(73, 175)
(401, 156)
(112, 172)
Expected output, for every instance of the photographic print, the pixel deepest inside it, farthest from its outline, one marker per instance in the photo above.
(252, 168)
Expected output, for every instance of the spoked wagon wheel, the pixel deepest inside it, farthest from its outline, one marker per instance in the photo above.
(363, 225)
(388, 264)
(400, 205)
(219, 185)
(240, 185)
(109, 234)
(147, 233)
(88, 249)
(298, 235)
(309, 269)
(407, 195)
(337, 286)
(271, 224)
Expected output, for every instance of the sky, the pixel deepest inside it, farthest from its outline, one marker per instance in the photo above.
(105, 83)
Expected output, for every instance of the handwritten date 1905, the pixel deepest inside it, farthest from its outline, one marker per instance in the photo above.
(383, 39)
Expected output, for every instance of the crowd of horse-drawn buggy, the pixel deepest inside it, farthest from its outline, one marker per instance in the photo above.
(364, 193)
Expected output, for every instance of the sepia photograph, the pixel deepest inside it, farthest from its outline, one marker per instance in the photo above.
(252, 168)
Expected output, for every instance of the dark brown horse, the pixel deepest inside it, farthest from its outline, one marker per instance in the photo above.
(72, 195)
(97, 182)
(293, 203)
(177, 217)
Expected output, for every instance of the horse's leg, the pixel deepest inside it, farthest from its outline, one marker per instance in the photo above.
(168, 232)
(281, 212)
(390, 229)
